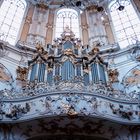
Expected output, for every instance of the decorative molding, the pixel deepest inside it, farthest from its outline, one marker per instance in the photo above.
(70, 104)
(113, 75)
(16, 111)
(22, 73)
(42, 5)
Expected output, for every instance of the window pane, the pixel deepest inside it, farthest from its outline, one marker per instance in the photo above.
(67, 17)
(11, 13)
(126, 23)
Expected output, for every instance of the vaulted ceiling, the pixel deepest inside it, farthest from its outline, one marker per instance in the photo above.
(80, 4)
(70, 3)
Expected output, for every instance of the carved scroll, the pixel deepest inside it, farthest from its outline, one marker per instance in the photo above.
(113, 75)
(22, 73)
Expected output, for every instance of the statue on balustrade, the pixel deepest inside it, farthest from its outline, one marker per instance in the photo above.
(67, 34)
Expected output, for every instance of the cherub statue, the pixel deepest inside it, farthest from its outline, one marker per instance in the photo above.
(39, 47)
(67, 32)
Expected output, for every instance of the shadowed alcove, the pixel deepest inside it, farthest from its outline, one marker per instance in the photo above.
(66, 137)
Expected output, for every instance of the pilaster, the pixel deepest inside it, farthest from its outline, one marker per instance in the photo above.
(28, 21)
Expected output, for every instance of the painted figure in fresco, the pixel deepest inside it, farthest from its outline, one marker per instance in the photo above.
(4, 77)
(134, 78)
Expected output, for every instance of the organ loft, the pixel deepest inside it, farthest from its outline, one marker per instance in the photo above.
(69, 70)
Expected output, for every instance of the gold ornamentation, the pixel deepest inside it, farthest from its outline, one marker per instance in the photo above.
(39, 48)
(113, 75)
(95, 50)
(72, 111)
(68, 51)
(22, 73)
(42, 5)
(92, 8)
(69, 109)
(28, 20)
(50, 26)
(95, 8)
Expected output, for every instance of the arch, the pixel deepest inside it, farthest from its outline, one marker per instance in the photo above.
(126, 22)
(67, 17)
(11, 13)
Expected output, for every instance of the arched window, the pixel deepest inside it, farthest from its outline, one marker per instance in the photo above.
(11, 15)
(126, 22)
(67, 17)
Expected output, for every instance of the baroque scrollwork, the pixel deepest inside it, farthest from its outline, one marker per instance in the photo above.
(59, 80)
(17, 111)
(22, 73)
(74, 104)
(70, 110)
(113, 75)
(94, 89)
(124, 113)
(42, 5)
(71, 104)
(14, 111)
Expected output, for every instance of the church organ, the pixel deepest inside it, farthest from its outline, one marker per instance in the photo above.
(66, 64)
